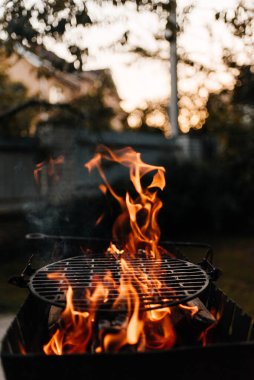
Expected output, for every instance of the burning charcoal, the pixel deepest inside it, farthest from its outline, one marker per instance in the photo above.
(203, 315)
(196, 318)
(107, 323)
(54, 315)
(112, 321)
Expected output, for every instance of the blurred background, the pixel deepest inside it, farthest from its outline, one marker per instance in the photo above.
(172, 79)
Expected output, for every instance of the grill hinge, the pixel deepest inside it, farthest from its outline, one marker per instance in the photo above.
(21, 281)
(213, 272)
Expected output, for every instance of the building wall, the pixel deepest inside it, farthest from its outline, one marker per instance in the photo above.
(23, 71)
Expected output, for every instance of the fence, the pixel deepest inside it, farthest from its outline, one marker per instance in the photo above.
(17, 161)
(18, 158)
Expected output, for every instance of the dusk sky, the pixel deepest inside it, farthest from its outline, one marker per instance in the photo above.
(146, 80)
(140, 80)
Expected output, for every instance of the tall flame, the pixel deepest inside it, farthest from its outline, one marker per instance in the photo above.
(140, 212)
(136, 328)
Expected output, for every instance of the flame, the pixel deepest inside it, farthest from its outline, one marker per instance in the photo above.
(133, 326)
(205, 335)
(160, 331)
(192, 309)
(145, 330)
(141, 212)
(70, 338)
(125, 324)
(51, 167)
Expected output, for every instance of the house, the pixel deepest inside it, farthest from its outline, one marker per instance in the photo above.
(50, 84)
(45, 81)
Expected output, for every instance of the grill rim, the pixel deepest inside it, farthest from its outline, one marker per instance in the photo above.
(203, 277)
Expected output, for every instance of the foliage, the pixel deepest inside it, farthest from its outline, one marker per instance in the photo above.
(216, 195)
(28, 25)
(94, 111)
(240, 21)
(152, 118)
(33, 23)
(231, 114)
(231, 119)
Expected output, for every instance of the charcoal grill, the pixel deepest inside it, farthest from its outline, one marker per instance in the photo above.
(229, 354)
(181, 281)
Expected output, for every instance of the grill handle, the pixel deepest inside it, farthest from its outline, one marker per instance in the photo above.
(22, 280)
(41, 236)
(206, 263)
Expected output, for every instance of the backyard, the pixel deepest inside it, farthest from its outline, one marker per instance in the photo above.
(233, 255)
(126, 151)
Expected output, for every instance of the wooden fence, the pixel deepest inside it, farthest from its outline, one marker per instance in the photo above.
(18, 159)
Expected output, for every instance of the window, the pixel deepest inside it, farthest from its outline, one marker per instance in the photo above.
(56, 94)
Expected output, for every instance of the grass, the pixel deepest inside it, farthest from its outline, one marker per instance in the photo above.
(233, 255)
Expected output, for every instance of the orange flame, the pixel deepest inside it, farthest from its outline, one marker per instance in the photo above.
(85, 331)
(160, 331)
(50, 166)
(192, 309)
(146, 330)
(205, 335)
(70, 338)
(141, 212)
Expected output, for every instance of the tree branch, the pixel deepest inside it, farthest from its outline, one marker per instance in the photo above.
(40, 103)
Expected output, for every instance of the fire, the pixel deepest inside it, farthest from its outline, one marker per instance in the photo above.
(70, 337)
(127, 325)
(144, 330)
(192, 309)
(205, 335)
(51, 165)
(141, 212)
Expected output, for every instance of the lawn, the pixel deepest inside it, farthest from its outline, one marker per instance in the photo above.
(235, 256)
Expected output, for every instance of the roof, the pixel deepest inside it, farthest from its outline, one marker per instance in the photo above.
(44, 59)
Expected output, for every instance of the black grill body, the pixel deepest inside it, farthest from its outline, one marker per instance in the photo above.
(229, 354)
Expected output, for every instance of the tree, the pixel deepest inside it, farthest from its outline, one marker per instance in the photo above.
(231, 119)
(153, 118)
(240, 21)
(97, 110)
(28, 25)
(39, 22)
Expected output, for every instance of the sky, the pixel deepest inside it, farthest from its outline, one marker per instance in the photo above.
(140, 81)
(144, 81)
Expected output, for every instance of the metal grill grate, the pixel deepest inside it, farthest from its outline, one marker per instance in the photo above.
(181, 281)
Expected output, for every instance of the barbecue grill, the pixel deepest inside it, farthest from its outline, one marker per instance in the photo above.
(229, 351)
(182, 280)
